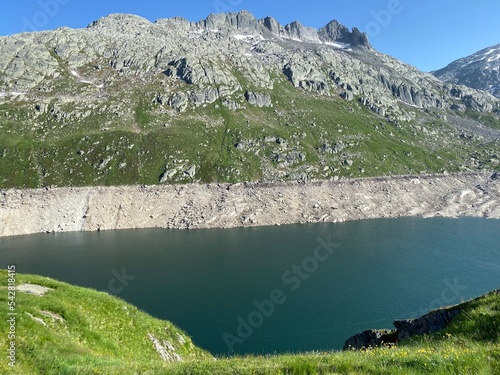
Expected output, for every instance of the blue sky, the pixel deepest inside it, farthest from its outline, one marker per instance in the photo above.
(427, 34)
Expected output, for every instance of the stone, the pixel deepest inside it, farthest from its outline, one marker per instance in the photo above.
(53, 316)
(191, 171)
(165, 349)
(347, 95)
(334, 32)
(429, 323)
(179, 101)
(167, 175)
(306, 76)
(370, 339)
(258, 99)
(37, 290)
(36, 319)
(243, 145)
(339, 147)
(348, 162)
(230, 104)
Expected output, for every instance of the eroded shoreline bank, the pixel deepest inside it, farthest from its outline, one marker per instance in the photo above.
(247, 204)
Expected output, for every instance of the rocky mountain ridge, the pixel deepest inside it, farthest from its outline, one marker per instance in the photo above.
(205, 53)
(480, 70)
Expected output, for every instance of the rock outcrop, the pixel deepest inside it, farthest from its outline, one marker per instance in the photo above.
(370, 339)
(204, 55)
(431, 322)
(257, 99)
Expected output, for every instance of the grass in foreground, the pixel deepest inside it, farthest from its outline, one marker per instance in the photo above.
(105, 335)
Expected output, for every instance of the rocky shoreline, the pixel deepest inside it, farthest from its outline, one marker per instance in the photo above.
(247, 204)
(433, 321)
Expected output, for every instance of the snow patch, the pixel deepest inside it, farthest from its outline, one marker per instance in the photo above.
(338, 45)
(494, 58)
(491, 51)
(472, 62)
(487, 55)
(242, 37)
(82, 80)
(250, 39)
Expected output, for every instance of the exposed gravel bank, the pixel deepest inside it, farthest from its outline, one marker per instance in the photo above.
(224, 206)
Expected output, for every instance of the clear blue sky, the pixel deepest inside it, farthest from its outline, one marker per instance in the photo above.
(426, 33)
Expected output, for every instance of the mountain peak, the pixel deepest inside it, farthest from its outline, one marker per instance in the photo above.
(117, 20)
(241, 20)
(479, 70)
(333, 32)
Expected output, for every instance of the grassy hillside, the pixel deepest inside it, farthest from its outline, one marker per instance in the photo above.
(90, 332)
(132, 139)
(100, 334)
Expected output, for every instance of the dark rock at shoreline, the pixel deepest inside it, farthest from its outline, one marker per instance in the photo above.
(429, 323)
(370, 338)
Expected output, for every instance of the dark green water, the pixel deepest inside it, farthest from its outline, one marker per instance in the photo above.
(205, 280)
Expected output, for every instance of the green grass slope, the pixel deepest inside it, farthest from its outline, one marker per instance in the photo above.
(130, 138)
(101, 334)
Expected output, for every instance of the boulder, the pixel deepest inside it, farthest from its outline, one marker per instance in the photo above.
(191, 171)
(258, 99)
(370, 339)
(167, 175)
(179, 101)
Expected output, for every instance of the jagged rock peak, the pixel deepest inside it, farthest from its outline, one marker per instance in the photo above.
(300, 32)
(336, 32)
(333, 32)
(241, 20)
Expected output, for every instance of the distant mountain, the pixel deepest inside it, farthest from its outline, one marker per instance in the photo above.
(480, 71)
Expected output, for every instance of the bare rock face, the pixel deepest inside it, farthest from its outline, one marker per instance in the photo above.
(125, 73)
(257, 99)
(429, 323)
(205, 55)
(338, 33)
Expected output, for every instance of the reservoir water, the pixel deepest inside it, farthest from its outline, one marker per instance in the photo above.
(276, 289)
